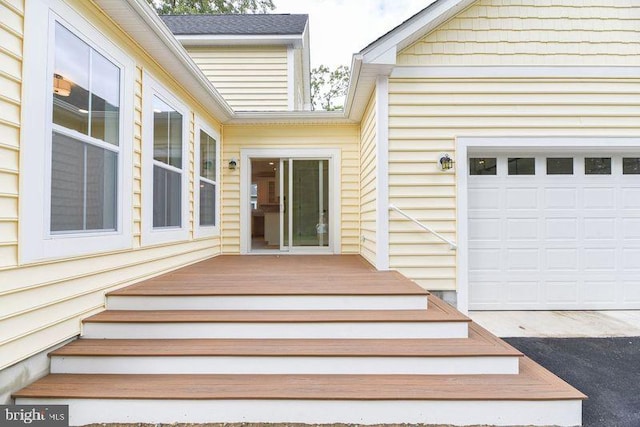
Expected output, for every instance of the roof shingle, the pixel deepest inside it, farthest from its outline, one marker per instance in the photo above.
(247, 24)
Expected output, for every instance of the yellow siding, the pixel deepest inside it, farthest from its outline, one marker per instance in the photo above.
(534, 32)
(344, 137)
(426, 115)
(11, 35)
(41, 304)
(368, 182)
(249, 78)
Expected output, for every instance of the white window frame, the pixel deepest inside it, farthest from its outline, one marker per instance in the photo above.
(36, 242)
(202, 231)
(151, 235)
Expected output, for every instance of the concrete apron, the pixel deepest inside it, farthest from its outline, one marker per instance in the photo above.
(560, 324)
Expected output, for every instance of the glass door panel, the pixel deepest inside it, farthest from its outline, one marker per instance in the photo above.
(309, 205)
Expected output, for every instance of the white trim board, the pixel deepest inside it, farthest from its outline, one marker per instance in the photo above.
(382, 173)
(515, 72)
(335, 191)
(555, 144)
(457, 412)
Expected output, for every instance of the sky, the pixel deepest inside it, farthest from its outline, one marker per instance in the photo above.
(340, 28)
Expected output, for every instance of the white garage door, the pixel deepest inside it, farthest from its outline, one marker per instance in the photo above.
(554, 232)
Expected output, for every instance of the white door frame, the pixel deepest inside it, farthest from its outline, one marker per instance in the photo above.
(466, 145)
(335, 191)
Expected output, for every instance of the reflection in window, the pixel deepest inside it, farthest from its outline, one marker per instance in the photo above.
(482, 166)
(559, 166)
(84, 147)
(208, 174)
(522, 166)
(597, 165)
(167, 134)
(631, 166)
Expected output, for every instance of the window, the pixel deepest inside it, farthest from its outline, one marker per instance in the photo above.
(76, 187)
(167, 165)
(597, 165)
(208, 178)
(164, 165)
(522, 166)
(208, 167)
(86, 130)
(482, 166)
(631, 165)
(559, 166)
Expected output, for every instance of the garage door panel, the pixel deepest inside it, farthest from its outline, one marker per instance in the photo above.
(599, 198)
(631, 228)
(554, 241)
(560, 198)
(522, 198)
(599, 291)
(632, 291)
(600, 228)
(561, 229)
(484, 198)
(561, 292)
(523, 292)
(522, 259)
(522, 228)
(562, 259)
(598, 259)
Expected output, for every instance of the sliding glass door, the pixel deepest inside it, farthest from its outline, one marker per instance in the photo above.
(305, 209)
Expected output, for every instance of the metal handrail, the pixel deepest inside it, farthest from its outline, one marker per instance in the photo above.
(424, 227)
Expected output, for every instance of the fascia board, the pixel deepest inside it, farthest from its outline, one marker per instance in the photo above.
(295, 41)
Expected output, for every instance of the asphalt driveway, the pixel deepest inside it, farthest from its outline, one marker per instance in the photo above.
(605, 369)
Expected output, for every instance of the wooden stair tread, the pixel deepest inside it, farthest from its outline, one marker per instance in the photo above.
(533, 383)
(438, 311)
(253, 284)
(479, 343)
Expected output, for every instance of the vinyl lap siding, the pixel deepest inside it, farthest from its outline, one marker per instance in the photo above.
(368, 183)
(11, 36)
(249, 78)
(534, 32)
(426, 115)
(345, 137)
(41, 304)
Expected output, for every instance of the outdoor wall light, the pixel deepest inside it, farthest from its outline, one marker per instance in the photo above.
(233, 164)
(445, 162)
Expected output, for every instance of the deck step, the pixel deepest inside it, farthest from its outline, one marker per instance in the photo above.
(194, 291)
(440, 321)
(481, 353)
(533, 397)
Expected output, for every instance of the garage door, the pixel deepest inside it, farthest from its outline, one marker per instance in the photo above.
(554, 232)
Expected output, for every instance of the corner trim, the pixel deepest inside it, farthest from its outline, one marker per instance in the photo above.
(382, 173)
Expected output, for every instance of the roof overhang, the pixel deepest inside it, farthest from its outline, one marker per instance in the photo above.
(292, 40)
(380, 57)
(291, 117)
(142, 23)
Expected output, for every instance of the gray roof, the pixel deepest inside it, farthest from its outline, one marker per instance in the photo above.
(249, 24)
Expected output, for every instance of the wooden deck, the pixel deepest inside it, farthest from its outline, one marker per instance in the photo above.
(276, 275)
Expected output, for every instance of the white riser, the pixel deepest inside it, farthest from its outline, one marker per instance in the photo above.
(276, 302)
(501, 413)
(276, 330)
(282, 365)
